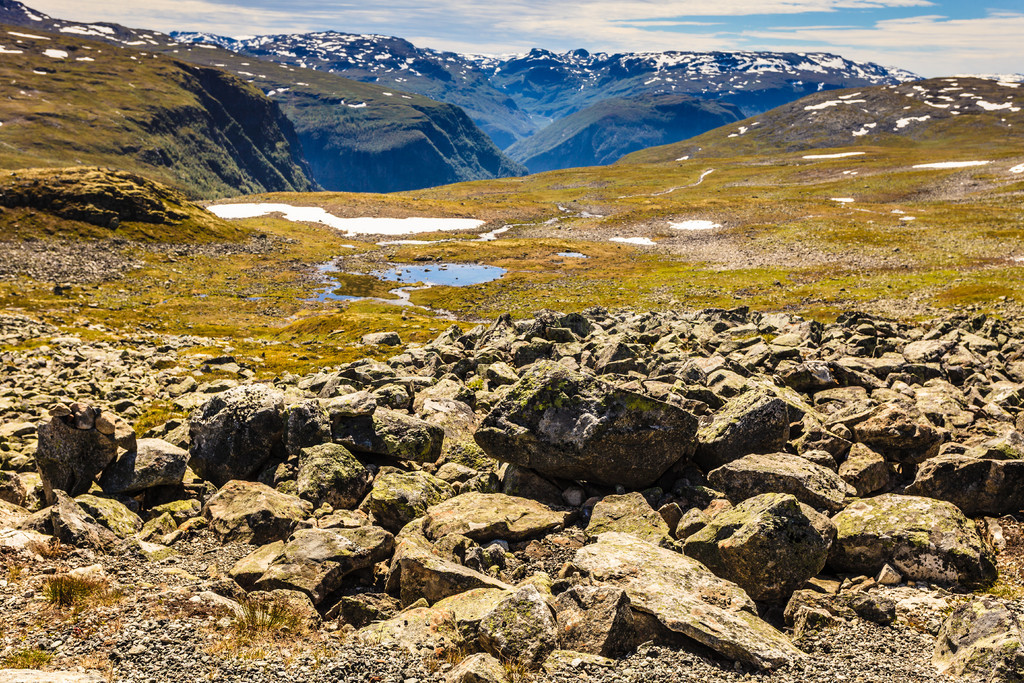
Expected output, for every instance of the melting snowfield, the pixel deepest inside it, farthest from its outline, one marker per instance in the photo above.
(642, 241)
(953, 164)
(695, 225)
(839, 155)
(1017, 169)
(351, 226)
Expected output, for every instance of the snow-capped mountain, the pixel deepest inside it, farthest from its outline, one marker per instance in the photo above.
(512, 96)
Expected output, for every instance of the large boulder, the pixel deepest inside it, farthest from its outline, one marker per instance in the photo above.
(154, 462)
(236, 432)
(389, 433)
(865, 470)
(71, 453)
(755, 474)
(981, 640)
(254, 513)
(766, 544)
(977, 486)
(308, 424)
(629, 513)
(314, 561)
(573, 426)
(397, 498)
(485, 517)
(685, 597)
(329, 473)
(112, 514)
(923, 539)
(66, 521)
(522, 628)
(595, 619)
(900, 433)
(756, 421)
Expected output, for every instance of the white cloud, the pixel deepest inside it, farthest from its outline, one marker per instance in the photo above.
(929, 45)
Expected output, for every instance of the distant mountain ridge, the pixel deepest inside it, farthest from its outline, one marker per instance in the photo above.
(511, 97)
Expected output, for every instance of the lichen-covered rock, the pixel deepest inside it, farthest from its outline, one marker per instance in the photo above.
(901, 434)
(397, 498)
(485, 517)
(423, 631)
(308, 424)
(868, 606)
(254, 513)
(522, 628)
(112, 514)
(923, 539)
(154, 462)
(595, 619)
(754, 422)
(977, 486)
(755, 474)
(865, 470)
(478, 668)
(469, 608)
(70, 524)
(629, 513)
(330, 474)
(69, 458)
(686, 597)
(314, 561)
(236, 432)
(562, 423)
(766, 545)
(981, 640)
(180, 510)
(391, 434)
(247, 571)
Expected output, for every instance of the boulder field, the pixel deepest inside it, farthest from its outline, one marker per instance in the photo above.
(559, 493)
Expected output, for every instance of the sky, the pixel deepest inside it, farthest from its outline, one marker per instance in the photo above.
(928, 37)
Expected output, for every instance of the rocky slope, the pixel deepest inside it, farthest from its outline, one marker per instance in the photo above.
(354, 136)
(595, 496)
(965, 113)
(72, 102)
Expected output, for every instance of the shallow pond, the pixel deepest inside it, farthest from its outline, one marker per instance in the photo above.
(423, 276)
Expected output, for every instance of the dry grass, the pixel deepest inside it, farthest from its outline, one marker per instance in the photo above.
(77, 592)
(31, 658)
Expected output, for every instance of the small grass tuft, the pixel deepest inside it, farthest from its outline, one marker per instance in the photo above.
(74, 591)
(31, 658)
(258, 617)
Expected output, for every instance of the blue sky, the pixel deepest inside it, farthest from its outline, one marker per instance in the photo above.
(929, 37)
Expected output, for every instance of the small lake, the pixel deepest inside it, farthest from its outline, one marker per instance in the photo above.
(422, 276)
(571, 254)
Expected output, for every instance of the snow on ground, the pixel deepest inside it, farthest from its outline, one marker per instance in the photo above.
(831, 103)
(695, 225)
(991, 106)
(840, 155)
(5, 51)
(27, 35)
(55, 54)
(1017, 169)
(842, 200)
(642, 241)
(352, 226)
(865, 130)
(953, 164)
(903, 123)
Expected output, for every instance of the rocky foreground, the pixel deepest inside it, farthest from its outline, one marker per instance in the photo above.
(606, 496)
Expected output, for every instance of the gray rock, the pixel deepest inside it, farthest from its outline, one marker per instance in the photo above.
(153, 463)
(865, 470)
(486, 517)
(755, 474)
(754, 422)
(236, 432)
(978, 487)
(686, 598)
(629, 514)
(254, 513)
(981, 640)
(565, 424)
(70, 459)
(522, 628)
(478, 668)
(899, 433)
(391, 434)
(330, 474)
(923, 539)
(766, 545)
(308, 424)
(596, 619)
(397, 498)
